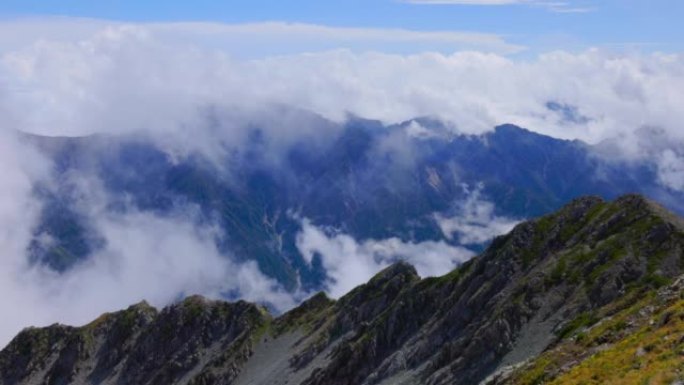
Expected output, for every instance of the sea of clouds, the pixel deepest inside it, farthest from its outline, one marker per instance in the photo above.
(79, 77)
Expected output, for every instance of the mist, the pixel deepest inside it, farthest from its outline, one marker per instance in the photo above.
(349, 262)
(146, 257)
(189, 96)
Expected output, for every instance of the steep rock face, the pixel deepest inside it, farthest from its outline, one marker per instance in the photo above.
(520, 297)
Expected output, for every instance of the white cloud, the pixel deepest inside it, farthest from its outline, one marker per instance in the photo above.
(107, 77)
(321, 36)
(146, 257)
(349, 263)
(554, 6)
(474, 221)
(125, 78)
(418, 131)
(259, 39)
(20, 168)
(471, 2)
(671, 169)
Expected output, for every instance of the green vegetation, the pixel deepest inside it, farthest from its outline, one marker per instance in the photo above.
(584, 320)
(308, 317)
(652, 355)
(641, 343)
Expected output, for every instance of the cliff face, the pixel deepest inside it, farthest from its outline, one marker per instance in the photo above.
(529, 293)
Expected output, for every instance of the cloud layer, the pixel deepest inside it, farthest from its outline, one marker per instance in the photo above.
(133, 77)
(554, 5)
(115, 78)
(263, 39)
(148, 257)
(349, 263)
(184, 86)
(474, 221)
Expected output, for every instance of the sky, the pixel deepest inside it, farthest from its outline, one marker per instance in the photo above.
(537, 25)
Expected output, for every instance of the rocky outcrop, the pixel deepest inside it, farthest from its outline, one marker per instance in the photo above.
(196, 341)
(521, 297)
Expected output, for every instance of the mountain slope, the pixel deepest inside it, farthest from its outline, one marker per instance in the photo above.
(199, 339)
(639, 342)
(526, 293)
(508, 304)
(364, 179)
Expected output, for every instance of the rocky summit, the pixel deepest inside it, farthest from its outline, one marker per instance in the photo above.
(589, 294)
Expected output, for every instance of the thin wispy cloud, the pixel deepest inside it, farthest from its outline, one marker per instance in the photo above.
(261, 39)
(553, 6)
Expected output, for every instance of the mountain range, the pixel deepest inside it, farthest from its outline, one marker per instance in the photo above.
(416, 181)
(591, 293)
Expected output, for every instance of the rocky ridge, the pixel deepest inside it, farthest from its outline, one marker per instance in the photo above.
(526, 295)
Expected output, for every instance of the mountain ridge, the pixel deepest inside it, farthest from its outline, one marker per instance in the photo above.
(365, 179)
(506, 306)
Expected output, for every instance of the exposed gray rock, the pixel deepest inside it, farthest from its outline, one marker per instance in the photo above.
(478, 322)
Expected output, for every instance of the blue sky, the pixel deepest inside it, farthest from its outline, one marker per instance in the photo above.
(650, 25)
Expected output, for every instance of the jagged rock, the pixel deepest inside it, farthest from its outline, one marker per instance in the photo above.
(529, 290)
(196, 339)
